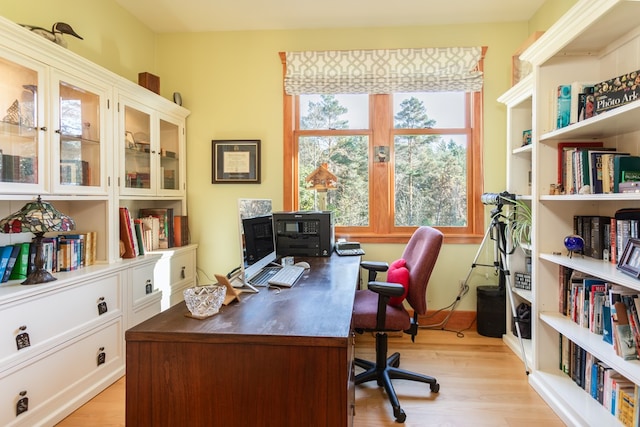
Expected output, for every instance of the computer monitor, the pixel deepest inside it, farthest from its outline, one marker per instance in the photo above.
(257, 242)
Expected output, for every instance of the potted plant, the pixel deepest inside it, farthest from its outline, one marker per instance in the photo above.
(519, 222)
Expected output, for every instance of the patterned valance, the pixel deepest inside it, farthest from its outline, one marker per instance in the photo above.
(383, 71)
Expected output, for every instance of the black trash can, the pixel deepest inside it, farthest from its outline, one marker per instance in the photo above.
(491, 311)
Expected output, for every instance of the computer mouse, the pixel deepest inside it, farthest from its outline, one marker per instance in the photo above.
(303, 264)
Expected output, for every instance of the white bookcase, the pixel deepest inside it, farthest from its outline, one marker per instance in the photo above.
(594, 41)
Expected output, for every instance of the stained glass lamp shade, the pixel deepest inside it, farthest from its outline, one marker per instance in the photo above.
(37, 217)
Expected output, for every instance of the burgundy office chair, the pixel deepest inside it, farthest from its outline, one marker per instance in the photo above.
(372, 313)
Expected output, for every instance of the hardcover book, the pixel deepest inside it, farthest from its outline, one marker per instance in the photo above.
(615, 92)
(165, 217)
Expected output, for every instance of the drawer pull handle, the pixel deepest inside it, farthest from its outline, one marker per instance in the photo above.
(22, 339)
(102, 356)
(148, 287)
(102, 306)
(182, 273)
(23, 403)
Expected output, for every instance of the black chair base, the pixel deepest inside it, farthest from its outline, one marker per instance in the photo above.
(387, 368)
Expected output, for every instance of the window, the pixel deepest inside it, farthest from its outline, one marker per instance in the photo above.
(400, 160)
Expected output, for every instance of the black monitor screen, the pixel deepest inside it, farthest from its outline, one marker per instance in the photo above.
(258, 238)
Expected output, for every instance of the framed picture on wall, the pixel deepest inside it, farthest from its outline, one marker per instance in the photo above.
(235, 161)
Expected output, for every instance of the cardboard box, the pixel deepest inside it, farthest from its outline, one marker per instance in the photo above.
(150, 82)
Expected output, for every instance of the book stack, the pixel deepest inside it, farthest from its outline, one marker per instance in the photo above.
(165, 225)
(618, 395)
(590, 168)
(573, 103)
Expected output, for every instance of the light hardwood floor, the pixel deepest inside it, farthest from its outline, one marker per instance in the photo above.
(482, 383)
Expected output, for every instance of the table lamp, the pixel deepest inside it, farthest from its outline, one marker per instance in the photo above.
(37, 217)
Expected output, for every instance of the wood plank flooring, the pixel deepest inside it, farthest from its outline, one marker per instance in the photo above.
(482, 383)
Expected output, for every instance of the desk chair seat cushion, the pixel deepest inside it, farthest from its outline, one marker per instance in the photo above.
(365, 310)
(398, 273)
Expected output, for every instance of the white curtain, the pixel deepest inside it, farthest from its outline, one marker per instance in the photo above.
(383, 71)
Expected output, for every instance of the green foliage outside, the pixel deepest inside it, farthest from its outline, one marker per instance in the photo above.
(430, 171)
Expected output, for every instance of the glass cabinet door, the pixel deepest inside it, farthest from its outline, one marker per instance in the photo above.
(20, 126)
(137, 149)
(80, 146)
(170, 156)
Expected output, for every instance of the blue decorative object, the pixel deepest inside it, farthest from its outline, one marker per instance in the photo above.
(573, 243)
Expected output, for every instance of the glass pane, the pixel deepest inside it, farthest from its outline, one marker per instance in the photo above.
(427, 110)
(169, 164)
(137, 153)
(18, 123)
(79, 136)
(346, 157)
(430, 180)
(324, 112)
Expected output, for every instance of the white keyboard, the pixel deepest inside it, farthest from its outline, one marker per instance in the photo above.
(286, 276)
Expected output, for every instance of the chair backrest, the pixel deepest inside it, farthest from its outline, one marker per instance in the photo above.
(421, 254)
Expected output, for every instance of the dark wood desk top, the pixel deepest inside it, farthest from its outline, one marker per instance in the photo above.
(316, 311)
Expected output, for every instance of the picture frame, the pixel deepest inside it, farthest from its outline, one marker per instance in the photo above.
(630, 259)
(235, 161)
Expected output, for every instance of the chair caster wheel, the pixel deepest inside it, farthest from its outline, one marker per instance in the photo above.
(399, 414)
(435, 387)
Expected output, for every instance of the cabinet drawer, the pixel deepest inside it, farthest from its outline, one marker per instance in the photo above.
(61, 375)
(182, 267)
(46, 317)
(142, 282)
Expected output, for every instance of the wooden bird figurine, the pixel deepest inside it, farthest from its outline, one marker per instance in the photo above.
(56, 33)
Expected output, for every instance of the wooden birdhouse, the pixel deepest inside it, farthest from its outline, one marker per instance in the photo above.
(321, 179)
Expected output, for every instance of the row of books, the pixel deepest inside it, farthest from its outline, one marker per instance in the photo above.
(590, 168)
(579, 100)
(604, 308)
(607, 237)
(613, 391)
(153, 229)
(574, 102)
(65, 252)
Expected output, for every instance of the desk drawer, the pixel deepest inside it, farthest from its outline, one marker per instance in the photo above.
(46, 317)
(56, 379)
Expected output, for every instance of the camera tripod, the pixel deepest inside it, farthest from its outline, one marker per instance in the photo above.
(498, 233)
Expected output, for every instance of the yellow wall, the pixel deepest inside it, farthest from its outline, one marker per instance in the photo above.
(112, 37)
(232, 83)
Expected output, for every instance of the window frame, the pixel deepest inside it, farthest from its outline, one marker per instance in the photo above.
(382, 227)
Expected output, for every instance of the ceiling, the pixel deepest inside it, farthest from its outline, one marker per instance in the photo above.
(165, 16)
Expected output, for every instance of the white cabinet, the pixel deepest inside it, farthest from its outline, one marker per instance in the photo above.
(594, 41)
(62, 132)
(63, 342)
(175, 272)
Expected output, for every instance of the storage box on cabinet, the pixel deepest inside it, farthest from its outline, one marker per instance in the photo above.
(51, 317)
(73, 363)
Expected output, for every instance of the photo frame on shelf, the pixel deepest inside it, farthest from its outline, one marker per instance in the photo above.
(235, 161)
(630, 259)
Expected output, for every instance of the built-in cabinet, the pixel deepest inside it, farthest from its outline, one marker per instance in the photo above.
(88, 141)
(594, 41)
(519, 103)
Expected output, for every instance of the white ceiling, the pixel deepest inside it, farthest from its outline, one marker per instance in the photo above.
(164, 16)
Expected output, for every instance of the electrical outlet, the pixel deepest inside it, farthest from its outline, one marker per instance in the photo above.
(461, 284)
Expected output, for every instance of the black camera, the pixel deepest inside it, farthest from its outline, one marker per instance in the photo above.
(504, 198)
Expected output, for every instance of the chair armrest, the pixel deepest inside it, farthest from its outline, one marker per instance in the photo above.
(374, 267)
(387, 289)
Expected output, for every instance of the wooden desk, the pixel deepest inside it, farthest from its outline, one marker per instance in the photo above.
(273, 359)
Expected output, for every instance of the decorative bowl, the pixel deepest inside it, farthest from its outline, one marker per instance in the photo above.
(204, 301)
